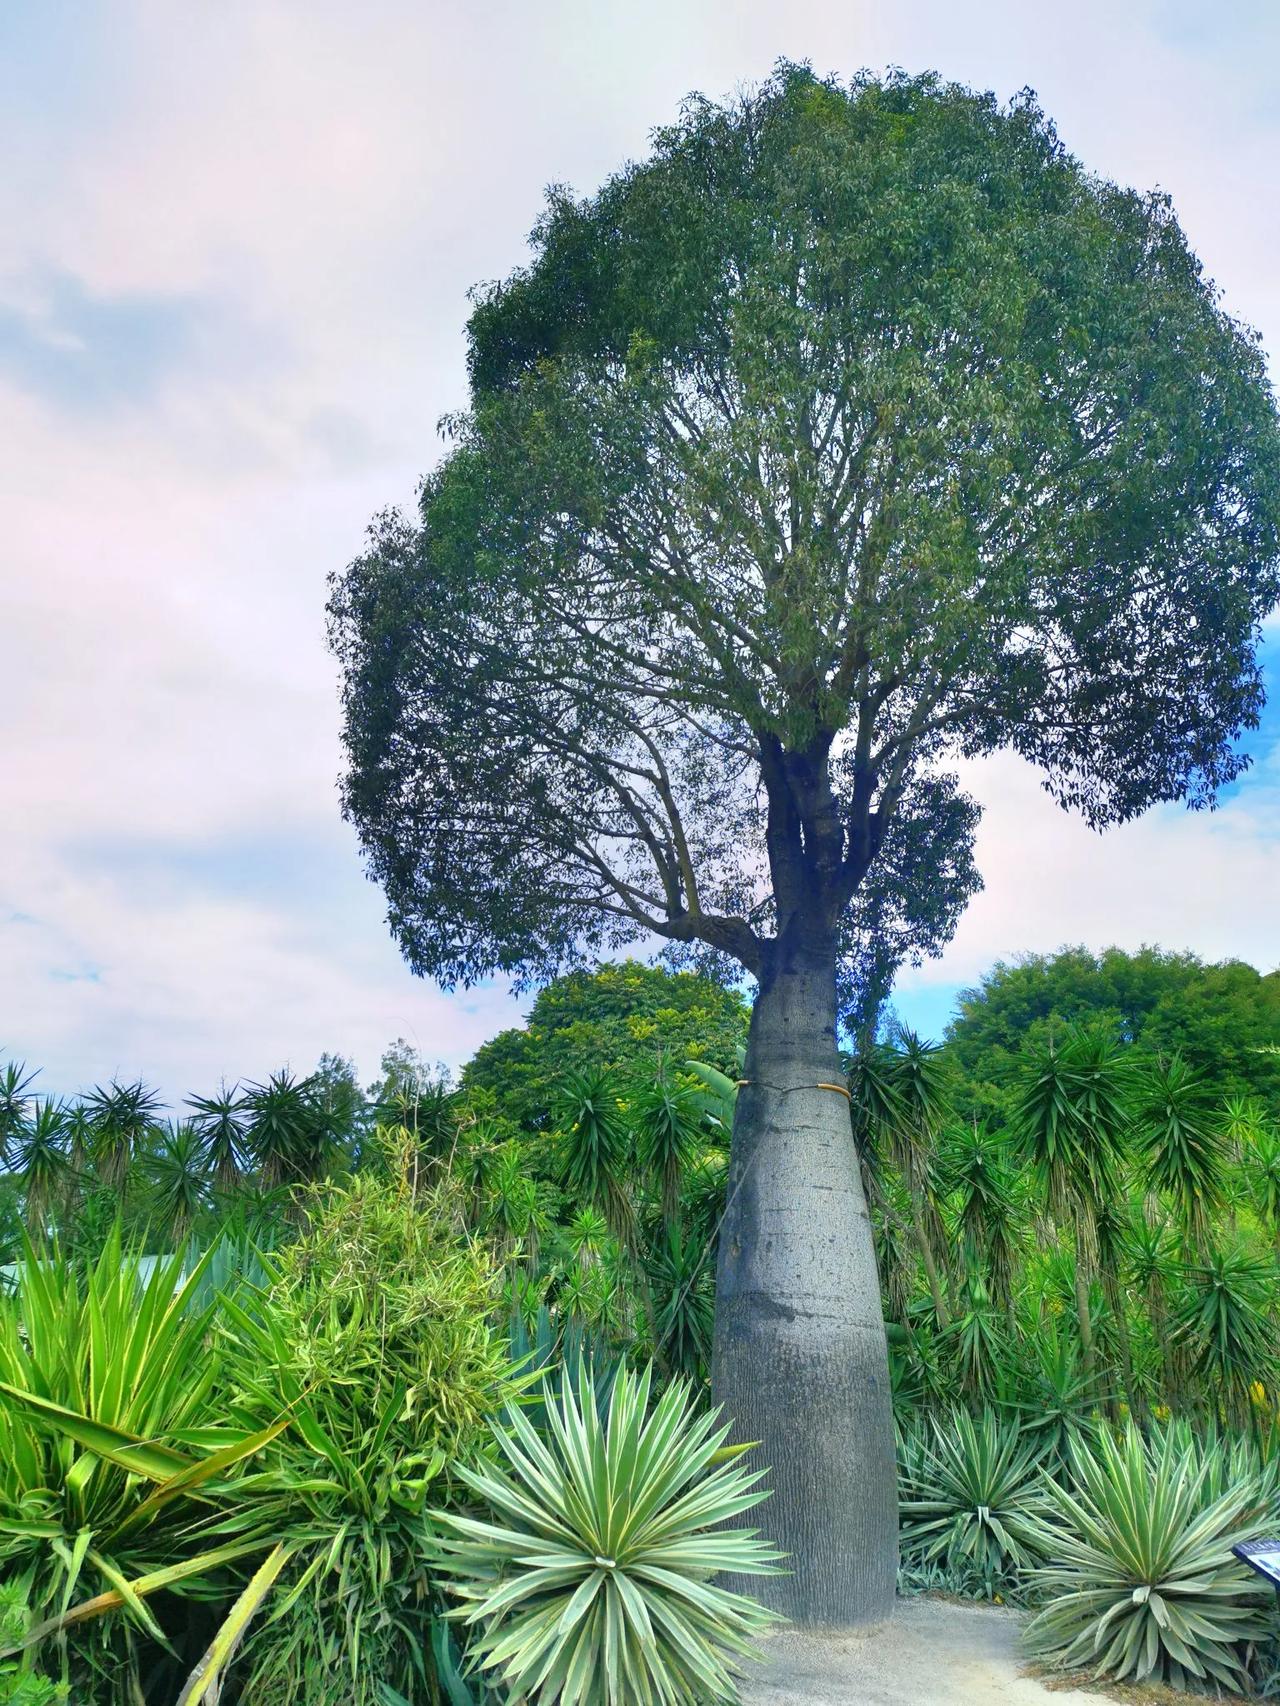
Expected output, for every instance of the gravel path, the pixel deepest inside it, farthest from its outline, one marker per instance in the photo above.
(933, 1653)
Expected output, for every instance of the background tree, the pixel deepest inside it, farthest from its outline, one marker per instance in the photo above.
(1218, 1017)
(855, 430)
(625, 1016)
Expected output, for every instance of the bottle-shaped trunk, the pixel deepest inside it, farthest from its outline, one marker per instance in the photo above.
(800, 1361)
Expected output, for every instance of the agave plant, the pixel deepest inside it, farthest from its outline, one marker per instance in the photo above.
(113, 1483)
(1140, 1580)
(592, 1583)
(971, 1499)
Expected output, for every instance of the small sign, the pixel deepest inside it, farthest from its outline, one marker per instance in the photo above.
(1262, 1556)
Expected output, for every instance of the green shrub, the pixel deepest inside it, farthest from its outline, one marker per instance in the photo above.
(591, 1585)
(969, 1496)
(354, 1373)
(1140, 1581)
(375, 1333)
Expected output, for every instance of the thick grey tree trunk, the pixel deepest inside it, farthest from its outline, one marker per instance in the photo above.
(800, 1361)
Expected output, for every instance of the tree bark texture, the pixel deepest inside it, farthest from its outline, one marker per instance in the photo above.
(800, 1361)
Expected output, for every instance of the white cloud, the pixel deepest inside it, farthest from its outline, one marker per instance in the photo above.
(317, 185)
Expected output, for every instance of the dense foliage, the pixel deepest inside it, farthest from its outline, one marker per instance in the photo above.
(1223, 1019)
(1093, 1253)
(623, 1017)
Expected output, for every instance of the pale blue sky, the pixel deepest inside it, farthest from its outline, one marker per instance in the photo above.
(235, 245)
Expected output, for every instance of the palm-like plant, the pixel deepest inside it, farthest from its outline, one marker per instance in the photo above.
(77, 1122)
(975, 1344)
(1262, 1171)
(177, 1170)
(511, 1212)
(970, 1494)
(288, 1134)
(15, 1094)
(1070, 1123)
(920, 1107)
(595, 1147)
(974, 1172)
(220, 1121)
(120, 1119)
(586, 1236)
(668, 1118)
(1057, 1401)
(43, 1163)
(1151, 1254)
(1186, 1150)
(682, 1287)
(1225, 1324)
(1139, 1579)
(1113, 1221)
(593, 1583)
(875, 1109)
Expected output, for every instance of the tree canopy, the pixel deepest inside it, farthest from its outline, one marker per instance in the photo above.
(1223, 1019)
(855, 430)
(627, 1017)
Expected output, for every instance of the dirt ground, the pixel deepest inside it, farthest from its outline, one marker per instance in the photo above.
(934, 1653)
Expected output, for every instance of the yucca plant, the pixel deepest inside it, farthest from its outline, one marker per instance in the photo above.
(1186, 1148)
(15, 1095)
(1070, 1127)
(287, 1131)
(44, 1164)
(1225, 1323)
(595, 1147)
(591, 1584)
(970, 1496)
(120, 1118)
(1056, 1401)
(668, 1118)
(176, 1168)
(974, 1171)
(220, 1121)
(681, 1279)
(1139, 1578)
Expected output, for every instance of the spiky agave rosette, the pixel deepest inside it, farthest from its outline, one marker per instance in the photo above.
(1140, 1581)
(592, 1583)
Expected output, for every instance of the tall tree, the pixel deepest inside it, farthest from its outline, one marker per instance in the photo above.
(855, 430)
